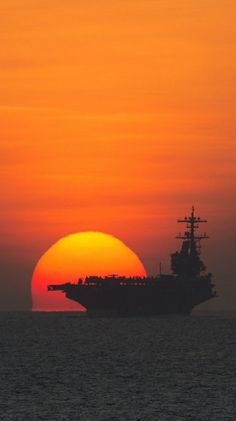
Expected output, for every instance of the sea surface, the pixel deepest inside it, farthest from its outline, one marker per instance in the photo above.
(64, 366)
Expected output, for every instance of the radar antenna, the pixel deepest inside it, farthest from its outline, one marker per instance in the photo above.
(187, 262)
(192, 224)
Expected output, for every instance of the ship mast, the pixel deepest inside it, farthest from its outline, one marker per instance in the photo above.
(187, 262)
(192, 224)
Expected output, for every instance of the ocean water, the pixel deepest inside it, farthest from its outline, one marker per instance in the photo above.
(64, 366)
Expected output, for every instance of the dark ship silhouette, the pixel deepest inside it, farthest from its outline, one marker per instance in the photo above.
(188, 286)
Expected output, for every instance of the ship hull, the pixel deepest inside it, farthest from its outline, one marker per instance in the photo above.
(149, 300)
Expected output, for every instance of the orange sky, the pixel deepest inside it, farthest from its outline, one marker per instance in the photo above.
(116, 116)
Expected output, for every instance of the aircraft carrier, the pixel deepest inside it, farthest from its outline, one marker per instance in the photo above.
(177, 293)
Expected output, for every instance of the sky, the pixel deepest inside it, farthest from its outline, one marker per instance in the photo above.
(116, 117)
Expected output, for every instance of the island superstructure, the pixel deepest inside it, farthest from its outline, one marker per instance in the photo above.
(176, 293)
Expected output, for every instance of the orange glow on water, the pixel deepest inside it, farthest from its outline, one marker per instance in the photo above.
(80, 255)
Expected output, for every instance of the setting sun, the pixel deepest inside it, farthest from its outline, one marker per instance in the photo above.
(80, 255)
